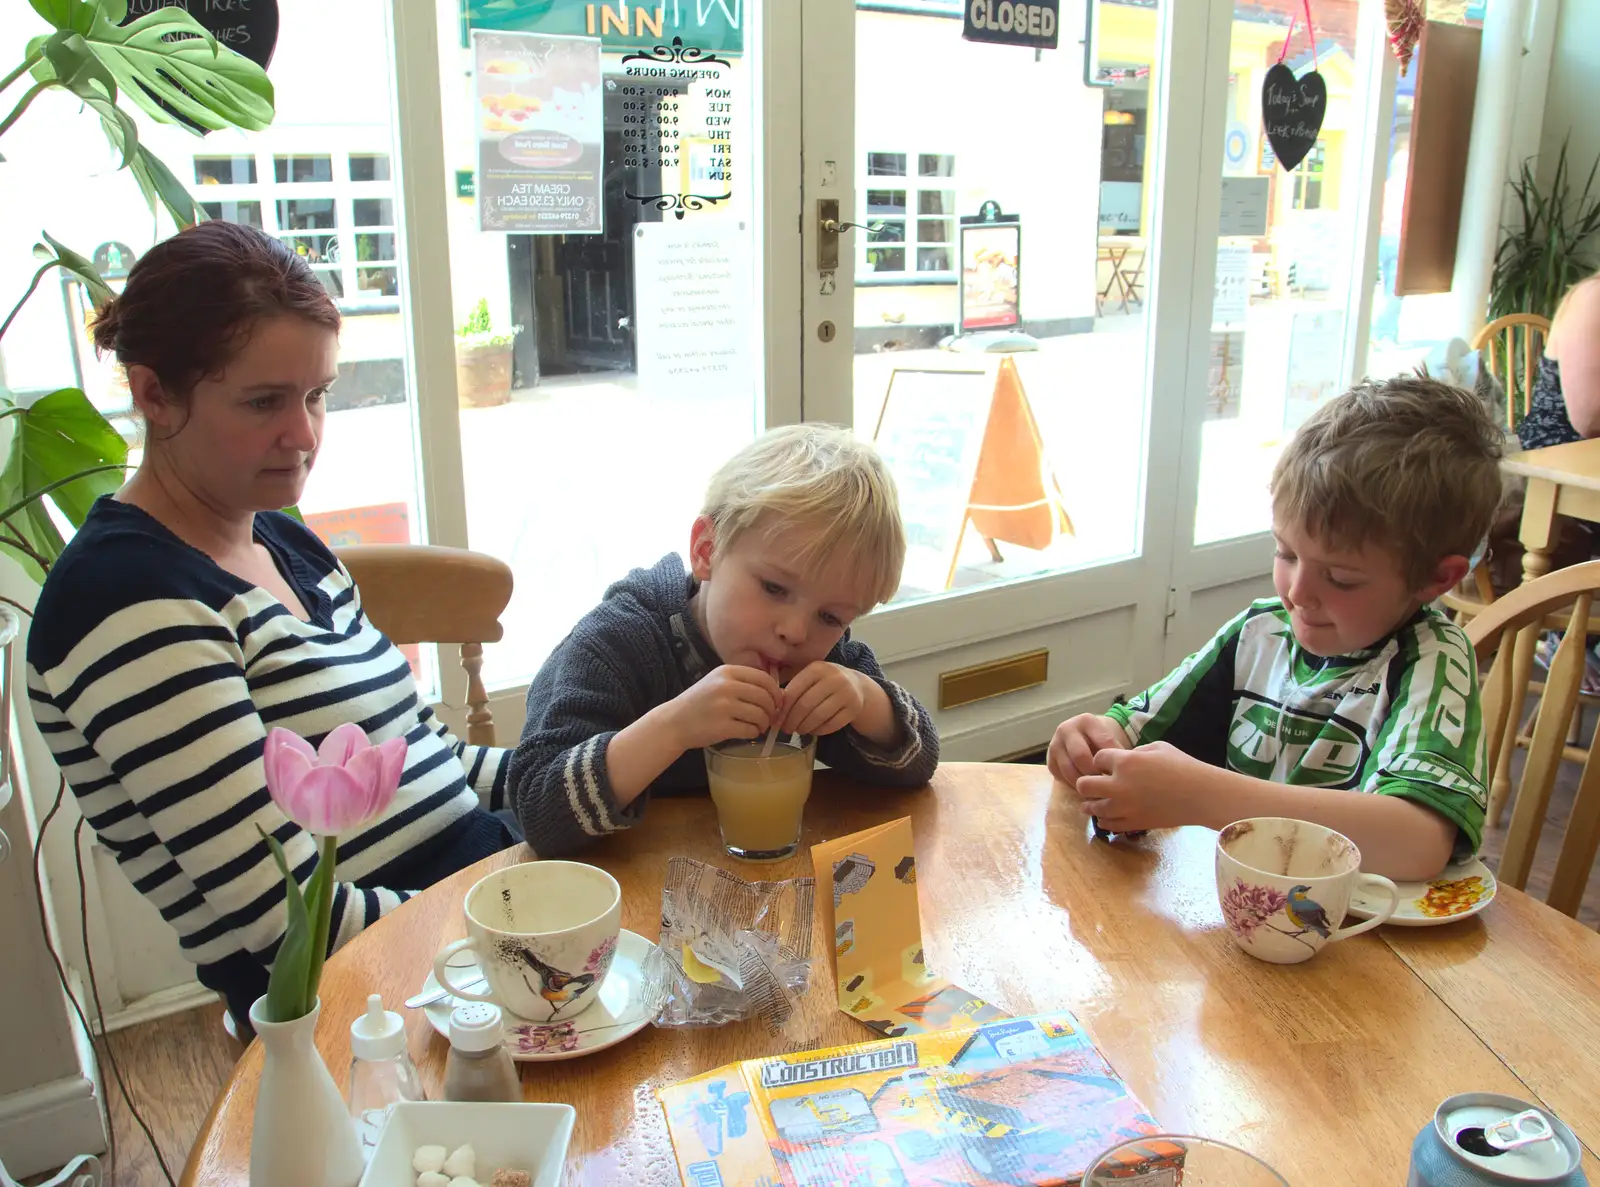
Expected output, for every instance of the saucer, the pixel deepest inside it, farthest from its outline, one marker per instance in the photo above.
(622, 1009)
(1459, 892)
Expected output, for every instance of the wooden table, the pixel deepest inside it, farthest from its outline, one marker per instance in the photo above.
(1562, 480)
(1333, 1063)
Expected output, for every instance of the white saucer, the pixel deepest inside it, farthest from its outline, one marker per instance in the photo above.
(623, 1009)
(1454, 897)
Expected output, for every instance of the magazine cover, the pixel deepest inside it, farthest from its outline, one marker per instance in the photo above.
(1014, 1102)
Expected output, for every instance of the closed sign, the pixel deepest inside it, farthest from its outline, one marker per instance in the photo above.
(1012, 22)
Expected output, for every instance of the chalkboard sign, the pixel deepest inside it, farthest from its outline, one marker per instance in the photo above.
(247, 27)
(1292, 110)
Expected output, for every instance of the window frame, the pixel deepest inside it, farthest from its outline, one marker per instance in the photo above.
(266, 191)
(911, 243)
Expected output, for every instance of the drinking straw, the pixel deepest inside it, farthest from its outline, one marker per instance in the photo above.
(772, 734)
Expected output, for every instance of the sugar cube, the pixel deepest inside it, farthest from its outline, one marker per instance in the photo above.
(462, 1164)
(428, 1158)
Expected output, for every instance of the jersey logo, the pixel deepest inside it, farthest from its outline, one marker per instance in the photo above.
(1293, 747)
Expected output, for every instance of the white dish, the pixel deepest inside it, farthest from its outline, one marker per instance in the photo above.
(624, 1007)
(1459, 892)
(526, 1137)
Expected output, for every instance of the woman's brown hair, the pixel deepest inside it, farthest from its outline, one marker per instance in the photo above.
(192, 301)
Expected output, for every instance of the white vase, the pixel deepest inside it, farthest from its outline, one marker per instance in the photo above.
(303, 1135)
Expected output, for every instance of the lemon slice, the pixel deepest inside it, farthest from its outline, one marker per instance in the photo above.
(697, 969)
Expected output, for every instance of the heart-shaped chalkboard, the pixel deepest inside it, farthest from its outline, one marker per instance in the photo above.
(1292, 110)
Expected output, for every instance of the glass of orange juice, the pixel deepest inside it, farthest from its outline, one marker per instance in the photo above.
(760, 800)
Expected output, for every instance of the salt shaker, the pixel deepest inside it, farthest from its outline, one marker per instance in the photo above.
(479, 1067)
(381, 1071)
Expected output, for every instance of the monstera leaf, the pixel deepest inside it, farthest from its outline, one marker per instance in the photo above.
(158, 184)
(62, 450)
(74, 16)
(58, 255)
(164, 61)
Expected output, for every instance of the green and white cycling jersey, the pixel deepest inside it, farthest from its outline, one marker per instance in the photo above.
(1400, 718)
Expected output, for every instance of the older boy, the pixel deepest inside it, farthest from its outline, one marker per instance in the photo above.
(1348, 682)
(800, 535)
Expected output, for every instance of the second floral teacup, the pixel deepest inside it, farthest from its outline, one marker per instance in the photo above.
(1284, 886)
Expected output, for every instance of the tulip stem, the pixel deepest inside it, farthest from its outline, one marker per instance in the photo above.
(322, 915)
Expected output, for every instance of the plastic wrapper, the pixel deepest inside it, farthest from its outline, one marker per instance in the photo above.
(730, 949)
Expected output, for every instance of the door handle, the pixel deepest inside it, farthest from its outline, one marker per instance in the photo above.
(828, 230)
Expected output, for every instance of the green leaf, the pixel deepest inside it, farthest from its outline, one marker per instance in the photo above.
(168, 56)
(119, 128)
(77, 16)
(161, 188)
(73, 65)
(59, 436)
(33, 529)
(286, 984)
(59, 255)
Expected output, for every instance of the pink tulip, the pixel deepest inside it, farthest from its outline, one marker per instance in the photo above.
(344, 783)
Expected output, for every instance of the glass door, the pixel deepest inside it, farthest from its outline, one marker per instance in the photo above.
(1293, 261)
(1002, 313)
(603, 200)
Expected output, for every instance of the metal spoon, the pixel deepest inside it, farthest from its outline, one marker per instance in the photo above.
(439, 994)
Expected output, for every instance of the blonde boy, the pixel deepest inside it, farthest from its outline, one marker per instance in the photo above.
(800, 535)
(1346, 700)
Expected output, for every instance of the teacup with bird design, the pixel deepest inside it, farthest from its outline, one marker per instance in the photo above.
(1284, 886)
(544, 933)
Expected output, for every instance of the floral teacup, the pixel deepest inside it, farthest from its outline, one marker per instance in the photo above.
(1285, 884)
(544, 933)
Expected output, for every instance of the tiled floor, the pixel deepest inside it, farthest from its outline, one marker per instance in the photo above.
(175, 1066)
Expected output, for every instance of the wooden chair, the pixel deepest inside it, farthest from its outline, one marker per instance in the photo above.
(1517, 337)
(1507, 631)
(422, 593)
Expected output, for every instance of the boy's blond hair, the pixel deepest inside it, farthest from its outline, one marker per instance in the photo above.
(825, 482)
(1411, 465)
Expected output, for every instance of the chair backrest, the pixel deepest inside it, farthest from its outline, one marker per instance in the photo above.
(1508, 630)
(422, 593)
(1515, 345)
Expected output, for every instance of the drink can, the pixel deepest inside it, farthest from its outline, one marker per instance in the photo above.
(1479, 1139)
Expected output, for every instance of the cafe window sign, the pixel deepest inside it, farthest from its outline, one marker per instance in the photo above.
(991, 269)
(712, 26)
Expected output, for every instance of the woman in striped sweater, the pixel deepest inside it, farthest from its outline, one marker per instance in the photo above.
(188, 617)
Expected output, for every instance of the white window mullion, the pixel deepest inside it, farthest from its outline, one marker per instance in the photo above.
(422, 213)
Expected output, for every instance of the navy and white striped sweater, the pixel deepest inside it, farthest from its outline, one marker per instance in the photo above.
(154, 676)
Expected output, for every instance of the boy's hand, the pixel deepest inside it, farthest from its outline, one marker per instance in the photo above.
(728, 702)
(823, 698)
(1148, 787)
(1077, 740)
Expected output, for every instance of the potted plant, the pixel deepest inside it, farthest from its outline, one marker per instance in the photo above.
(60, 448)
(1550, 244)
(483, 360)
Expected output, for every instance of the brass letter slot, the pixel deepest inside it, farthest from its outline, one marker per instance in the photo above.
(993, 679)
